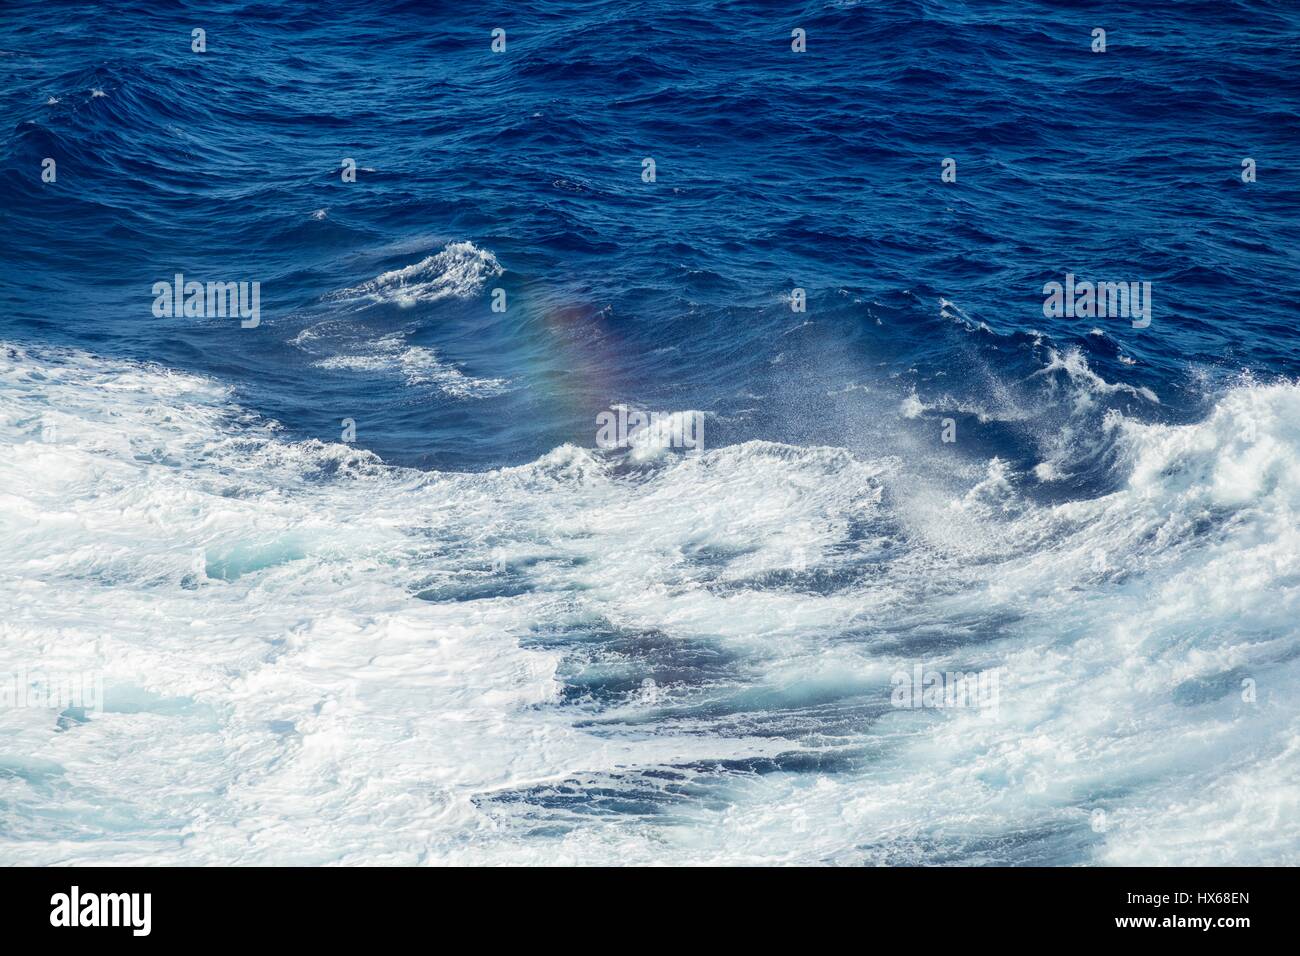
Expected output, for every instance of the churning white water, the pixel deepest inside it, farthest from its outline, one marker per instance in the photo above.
(308, 656)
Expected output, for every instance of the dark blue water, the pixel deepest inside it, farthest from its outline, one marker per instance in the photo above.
(775, 170)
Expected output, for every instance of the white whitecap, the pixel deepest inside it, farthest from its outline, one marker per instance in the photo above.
(459, 271)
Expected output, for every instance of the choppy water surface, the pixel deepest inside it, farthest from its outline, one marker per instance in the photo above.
(464, 632)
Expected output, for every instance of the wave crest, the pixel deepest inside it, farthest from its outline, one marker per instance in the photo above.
(459, 271)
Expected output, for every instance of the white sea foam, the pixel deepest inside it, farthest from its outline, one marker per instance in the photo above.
(912, 407)
(460, 270)
(417, 365)
(1075, 366)
(275, 691)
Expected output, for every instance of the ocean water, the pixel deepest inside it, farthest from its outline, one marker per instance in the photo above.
(358, 583)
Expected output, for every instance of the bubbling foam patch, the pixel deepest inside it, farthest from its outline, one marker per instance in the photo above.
(458, 271)
(309, 656)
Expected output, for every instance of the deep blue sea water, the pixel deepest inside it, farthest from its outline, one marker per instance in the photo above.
(467, 633)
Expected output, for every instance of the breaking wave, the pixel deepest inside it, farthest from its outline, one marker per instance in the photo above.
(459, 271)
(568, 661)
